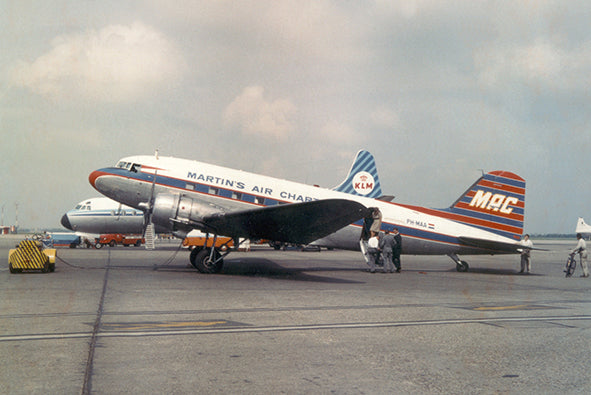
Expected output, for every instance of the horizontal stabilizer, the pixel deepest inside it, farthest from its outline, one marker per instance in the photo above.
(299, 223)
(493, 246)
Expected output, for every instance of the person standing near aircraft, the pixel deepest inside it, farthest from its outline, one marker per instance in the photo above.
(581, 249)
(387, 245)
(376, 225)
(397, 250)
(372, 251)
(525, 254)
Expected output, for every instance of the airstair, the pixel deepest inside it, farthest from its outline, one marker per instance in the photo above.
(150, 237)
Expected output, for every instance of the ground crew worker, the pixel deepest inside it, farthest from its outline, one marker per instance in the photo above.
(372, 251)
(581, 249)
(397, 250)
(387, 245)
(525, 254)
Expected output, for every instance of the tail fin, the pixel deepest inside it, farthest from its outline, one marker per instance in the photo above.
(362, 179)
(582, 227)
(496, 203)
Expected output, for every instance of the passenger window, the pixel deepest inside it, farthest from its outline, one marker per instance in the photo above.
(214, 191)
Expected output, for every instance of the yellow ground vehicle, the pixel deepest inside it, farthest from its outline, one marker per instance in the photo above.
(30, 255)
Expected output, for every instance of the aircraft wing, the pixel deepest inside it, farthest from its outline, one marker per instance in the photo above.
(299, 223)
(494, 246)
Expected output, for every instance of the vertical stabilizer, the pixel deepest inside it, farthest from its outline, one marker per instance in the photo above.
(582, 227)
(496, 203)
(362, 179)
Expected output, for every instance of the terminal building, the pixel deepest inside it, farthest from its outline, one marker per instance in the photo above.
(8, 230)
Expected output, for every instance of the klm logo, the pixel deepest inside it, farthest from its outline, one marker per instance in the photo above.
(496, 202)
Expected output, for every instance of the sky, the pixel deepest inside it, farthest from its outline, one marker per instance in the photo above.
(437, 91)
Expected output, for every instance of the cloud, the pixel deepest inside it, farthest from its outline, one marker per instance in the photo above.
(255, 115)
(542, 64)
(385, 118)
(115, 64)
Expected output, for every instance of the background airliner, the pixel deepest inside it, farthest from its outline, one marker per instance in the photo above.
(181, 195)
(583, 228)
(103, 215)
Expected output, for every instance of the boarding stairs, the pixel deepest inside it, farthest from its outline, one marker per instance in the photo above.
(150, 237)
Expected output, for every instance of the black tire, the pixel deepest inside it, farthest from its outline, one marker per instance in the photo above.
(112, 243)
(52, 267)
(193, 256)
(138, 243)
(462, 266)
(98, 246)
(204, 264)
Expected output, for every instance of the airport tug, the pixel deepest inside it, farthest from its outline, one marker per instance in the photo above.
(30, 255)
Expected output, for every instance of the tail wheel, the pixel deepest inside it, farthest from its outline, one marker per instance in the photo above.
(462, 266)
(206, 264)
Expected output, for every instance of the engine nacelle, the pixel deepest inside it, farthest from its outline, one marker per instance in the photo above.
(172, 210)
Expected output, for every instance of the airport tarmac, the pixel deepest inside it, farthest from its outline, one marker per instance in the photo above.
(127, 320)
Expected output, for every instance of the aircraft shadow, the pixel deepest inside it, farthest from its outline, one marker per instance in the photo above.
(255, 267)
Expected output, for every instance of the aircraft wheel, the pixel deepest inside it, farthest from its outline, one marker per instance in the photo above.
(205, 264)
(462, 266)
(193, 256)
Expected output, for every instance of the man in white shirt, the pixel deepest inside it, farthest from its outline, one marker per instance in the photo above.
(581, 249)
(525, 254)
(372, 251)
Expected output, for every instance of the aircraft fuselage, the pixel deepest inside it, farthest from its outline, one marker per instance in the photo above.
(424, 231)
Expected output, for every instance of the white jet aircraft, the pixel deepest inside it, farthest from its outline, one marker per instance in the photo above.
(181, 195)
(583, 228)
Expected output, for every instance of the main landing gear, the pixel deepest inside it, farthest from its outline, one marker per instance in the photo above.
(461, 266)
(208, 259)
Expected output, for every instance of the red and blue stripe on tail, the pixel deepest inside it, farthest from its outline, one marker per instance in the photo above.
(496, 203)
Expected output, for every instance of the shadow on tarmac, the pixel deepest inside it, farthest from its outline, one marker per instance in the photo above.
(256, 267)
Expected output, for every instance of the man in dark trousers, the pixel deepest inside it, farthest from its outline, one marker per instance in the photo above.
(387, 245)
(397, 249)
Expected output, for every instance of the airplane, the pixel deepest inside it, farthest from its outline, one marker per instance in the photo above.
(181, 195)
(99, 215)
(583, 228)
(103, 215)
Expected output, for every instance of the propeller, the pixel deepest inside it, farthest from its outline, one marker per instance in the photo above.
(119, 211)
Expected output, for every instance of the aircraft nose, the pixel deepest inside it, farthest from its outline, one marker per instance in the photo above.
(93, 177)
(66, 222)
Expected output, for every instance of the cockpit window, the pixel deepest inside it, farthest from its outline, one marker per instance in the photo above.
(129, 166)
